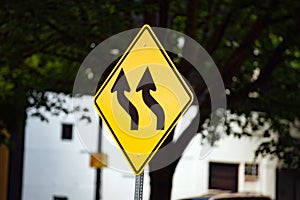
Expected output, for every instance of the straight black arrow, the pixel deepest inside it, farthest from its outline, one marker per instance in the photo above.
(146, 84)
(120, 86)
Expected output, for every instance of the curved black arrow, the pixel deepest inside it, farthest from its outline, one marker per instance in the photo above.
(120, 86)
(146, 84)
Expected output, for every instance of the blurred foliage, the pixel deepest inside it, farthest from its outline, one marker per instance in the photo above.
(254, 43)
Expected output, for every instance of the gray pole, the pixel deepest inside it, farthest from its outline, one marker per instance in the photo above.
(138, 189)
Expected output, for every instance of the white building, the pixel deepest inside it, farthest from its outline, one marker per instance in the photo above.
(57, 163)
(230, 153)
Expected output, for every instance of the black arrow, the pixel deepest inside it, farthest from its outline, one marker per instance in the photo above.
(120, 86)
(146, 84)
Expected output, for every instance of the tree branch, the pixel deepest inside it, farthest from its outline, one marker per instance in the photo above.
(192, 16)
(237, 58)
(163, 13)
(216, 37)
(274, 60)
(149, 12)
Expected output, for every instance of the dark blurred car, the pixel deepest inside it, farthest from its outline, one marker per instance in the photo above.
(210, 194)
(240, 196)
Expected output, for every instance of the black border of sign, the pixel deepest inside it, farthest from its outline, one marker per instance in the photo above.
(175, 120)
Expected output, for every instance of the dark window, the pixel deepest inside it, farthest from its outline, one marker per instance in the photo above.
(251, 169)
(60, 198)
(251, 172)
(67, 131)
(223, 176)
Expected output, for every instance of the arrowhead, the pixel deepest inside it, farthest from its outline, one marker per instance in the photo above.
(121, 83)
(146, 82)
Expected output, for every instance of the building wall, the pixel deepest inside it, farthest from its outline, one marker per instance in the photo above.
(60, 167)
(56, 167)
(192, 173)
(118, 174)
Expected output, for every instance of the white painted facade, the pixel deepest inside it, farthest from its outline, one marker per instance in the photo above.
(56, 167)
(192, 173)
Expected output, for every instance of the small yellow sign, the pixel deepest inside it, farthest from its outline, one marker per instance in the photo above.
(142, 99)
(98, 160)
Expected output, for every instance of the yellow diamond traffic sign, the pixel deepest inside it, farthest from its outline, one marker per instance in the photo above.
(142, 99)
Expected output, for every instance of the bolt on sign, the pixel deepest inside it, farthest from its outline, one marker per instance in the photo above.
(142, 99)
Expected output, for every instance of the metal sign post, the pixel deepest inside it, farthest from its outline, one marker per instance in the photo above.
(138, 192)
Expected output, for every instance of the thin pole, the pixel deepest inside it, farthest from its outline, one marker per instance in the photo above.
(98, 171)
(98, 184)
(139, 181)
